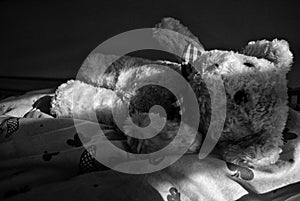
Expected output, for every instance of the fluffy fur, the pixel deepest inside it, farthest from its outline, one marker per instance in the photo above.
(164, 137)
(78, 99)
(256, 94)
(103, 70)
(254, 81)
(174, 37)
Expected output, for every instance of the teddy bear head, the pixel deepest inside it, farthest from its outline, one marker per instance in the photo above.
(255, 85)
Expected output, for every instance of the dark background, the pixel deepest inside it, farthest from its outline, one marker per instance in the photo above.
(51, 39)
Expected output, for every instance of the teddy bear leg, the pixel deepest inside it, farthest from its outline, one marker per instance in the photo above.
(79, 100)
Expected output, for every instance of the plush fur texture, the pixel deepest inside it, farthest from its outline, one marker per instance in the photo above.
(276, 51)
(164, 137)
(78, 99)
(254, 81)
(103, 70)
(256, 94)
(175, 37)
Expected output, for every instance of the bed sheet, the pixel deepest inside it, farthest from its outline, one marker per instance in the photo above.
(42, 158)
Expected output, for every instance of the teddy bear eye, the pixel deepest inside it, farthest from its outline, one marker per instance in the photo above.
(212, 67)
(240, 97)
(248, 64)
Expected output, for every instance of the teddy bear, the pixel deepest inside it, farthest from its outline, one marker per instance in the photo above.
(254, 82)
(256, 99)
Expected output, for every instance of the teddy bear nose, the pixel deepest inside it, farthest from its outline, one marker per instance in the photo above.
(248, 64)
(240, 97)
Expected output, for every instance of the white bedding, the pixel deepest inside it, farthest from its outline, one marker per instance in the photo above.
(42, 159)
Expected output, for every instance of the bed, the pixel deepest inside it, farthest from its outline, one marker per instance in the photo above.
(42, 158)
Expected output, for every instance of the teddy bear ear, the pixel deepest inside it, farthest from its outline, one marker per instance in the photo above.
(276, 51)
(175, 37)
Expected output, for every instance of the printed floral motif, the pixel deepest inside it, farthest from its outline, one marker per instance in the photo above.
(76, 141)
(9, 126)
(48, 156)
(240, 172)
(174, 195)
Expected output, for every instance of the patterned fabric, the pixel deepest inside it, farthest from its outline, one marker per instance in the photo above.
(43, 159)
(87, 160)
(239, 172)
(174, 195)
(191, 54)
(9, 125)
